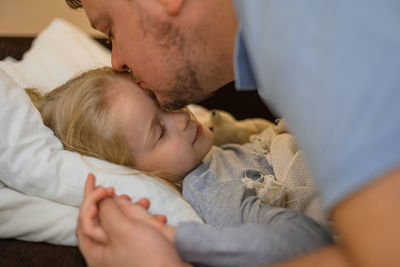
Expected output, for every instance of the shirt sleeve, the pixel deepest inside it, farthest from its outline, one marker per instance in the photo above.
(331, 68)
(288, 234)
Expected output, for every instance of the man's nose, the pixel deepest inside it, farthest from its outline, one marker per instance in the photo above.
(117, 61)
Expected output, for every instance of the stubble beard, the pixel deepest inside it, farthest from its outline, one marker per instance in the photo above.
(185, 89)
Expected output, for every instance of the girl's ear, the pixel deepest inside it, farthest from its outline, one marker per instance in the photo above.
(173, 7)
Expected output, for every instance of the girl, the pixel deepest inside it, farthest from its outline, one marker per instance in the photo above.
(104, 114)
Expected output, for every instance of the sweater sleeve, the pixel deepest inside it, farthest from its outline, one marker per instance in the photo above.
(288, 234)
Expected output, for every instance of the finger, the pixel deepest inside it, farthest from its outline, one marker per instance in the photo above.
(89, 213)
(94, 231)
(161, 218)
(87, 244)
(87, 229)
(88, 224)
(88, 207)
(100, 193)
(144, 202)
(113, 220)
(90, 186)
(90, 183)
(123, 203)
(125, 196)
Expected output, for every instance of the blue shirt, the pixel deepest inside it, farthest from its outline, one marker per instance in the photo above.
(332, 68)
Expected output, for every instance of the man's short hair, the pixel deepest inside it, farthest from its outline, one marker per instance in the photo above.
(74, 3)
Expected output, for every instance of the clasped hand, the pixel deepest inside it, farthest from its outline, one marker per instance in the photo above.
(112, 231)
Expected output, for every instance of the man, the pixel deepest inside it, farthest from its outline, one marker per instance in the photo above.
(330, 67)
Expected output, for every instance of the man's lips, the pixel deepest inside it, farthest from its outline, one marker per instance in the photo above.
(199, 132)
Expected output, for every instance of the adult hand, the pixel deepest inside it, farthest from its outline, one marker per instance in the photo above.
(136, 212)
(116, 239)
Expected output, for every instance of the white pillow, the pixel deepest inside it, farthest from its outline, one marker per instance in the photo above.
(58, 53)
(32, 160)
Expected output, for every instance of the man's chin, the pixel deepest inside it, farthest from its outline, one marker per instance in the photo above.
(172, 104)
(180, 102)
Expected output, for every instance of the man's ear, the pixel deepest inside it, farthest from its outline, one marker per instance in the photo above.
(173, 7)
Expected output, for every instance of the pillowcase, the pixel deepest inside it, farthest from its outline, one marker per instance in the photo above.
(32, 218)
(57, 53)
(33, 163)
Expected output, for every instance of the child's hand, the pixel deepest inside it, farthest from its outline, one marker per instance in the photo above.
(112, 231)
(88, 215)
(139, 212)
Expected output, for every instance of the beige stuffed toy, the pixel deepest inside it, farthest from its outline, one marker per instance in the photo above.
(226, 128)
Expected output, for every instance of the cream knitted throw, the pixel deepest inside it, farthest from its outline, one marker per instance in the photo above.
(293, 172)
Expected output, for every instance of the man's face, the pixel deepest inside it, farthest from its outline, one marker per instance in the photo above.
(156, 47)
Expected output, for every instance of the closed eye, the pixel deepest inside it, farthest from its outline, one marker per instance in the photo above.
(162, 132)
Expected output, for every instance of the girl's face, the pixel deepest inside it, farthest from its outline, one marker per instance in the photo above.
(159, 141)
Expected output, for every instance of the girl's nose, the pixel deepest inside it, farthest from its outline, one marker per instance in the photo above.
(181, 118)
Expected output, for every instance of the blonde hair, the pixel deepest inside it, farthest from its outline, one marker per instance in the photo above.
(78, 112)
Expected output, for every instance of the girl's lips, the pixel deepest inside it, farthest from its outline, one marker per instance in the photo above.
(199, 132)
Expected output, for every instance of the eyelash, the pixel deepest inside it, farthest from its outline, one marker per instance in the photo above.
(162, 131)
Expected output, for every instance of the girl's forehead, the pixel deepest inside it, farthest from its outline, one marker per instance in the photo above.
(130, 94)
